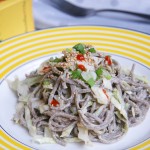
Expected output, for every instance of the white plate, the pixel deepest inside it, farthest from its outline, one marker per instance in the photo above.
(8, 101)
(135, 135)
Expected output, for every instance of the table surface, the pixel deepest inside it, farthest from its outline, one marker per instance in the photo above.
(52, 17)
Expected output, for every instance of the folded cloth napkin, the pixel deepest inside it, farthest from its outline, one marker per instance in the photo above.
(52, 17)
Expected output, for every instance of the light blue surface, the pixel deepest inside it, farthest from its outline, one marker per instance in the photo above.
(46, 16)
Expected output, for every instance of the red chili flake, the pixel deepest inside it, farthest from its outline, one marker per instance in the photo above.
(80, 57)
(54, 103)
(46, 69)
(82, 67)
(105, 93)
(107, 58)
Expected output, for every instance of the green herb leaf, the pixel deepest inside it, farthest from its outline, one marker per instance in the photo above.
(46, 82)
(80, 47)
(57, 60)
(99, 72)
(91, 82)
(68, 50)
(106, 74)
(92, 50)
(76, 74)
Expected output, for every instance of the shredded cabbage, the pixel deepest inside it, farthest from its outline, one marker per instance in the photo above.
(129, 92)
(19, 107)
(119, 106)
(83, 134)
(88, 75)
(33, 80)
(84, 109)
(97, 60)
(47, 140)
(73, 110)
(43, 140)
(118, 114)
(107, 84)
(127, 106)
(31, 128)
(44, 64)
(98, 111)
(72, 139)
(125, 84)
(121, 102)
(21, 88)
(133, 111)
(106, 74)
(99, 95)
(50, 86)
(47, 132)
(142, 78)
(43, 108)
(13, 84)
(118, 96)
(68, 130)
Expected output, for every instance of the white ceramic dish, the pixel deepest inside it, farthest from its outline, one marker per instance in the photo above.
(31, 59)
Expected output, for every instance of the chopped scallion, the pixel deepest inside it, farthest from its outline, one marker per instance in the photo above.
(92, 50)
(80, 47)
(76, 74)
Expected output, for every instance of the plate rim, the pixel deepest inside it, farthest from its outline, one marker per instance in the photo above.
(72, 26)
(3, 79)
(57, 27)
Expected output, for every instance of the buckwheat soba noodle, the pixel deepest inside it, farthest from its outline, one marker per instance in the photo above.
(84, 95)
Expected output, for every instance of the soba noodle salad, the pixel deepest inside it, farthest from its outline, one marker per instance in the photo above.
(83, 96)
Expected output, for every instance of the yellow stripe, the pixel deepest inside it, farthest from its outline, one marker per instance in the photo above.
(148, 148)
(144, 36)
(10, 144)
(43, 53)
(86, 33)
(2, 148)
(141, 145)
(25, 53)
(7, 145)
(12, 141)
(133, 46)
(104, 33)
